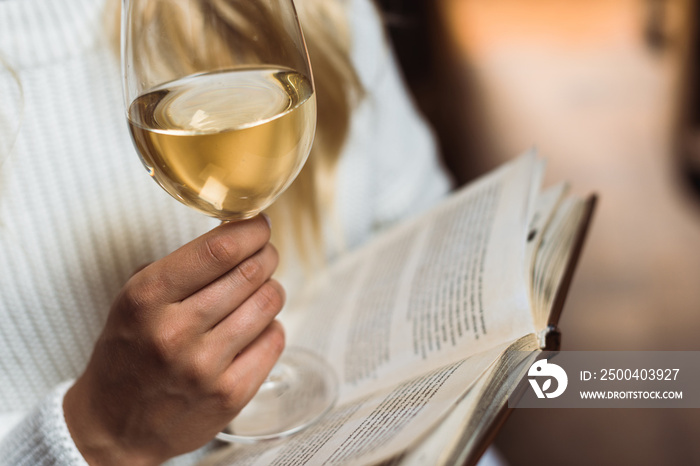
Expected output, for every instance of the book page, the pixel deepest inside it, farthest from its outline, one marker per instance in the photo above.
(460, 437)
(548, 202)
(411, 321)
(444, 286)
(554, 255)
(372, 428)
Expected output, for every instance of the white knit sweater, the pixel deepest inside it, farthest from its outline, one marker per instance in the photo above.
(78, 213)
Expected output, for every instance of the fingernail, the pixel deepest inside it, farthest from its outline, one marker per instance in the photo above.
(267, 219)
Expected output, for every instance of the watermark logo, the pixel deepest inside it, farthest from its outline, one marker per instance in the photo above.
(543, 369)
(607, 379)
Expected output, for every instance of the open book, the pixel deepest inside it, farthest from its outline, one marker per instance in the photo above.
(427, 325)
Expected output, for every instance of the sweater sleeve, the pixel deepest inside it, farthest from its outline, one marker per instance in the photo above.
(42, 438)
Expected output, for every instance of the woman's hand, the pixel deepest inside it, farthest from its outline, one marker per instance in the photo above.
(187, 343)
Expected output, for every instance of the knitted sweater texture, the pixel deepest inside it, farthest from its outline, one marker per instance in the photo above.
(78, 213)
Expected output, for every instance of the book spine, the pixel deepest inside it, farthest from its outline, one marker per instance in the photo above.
(549, 338)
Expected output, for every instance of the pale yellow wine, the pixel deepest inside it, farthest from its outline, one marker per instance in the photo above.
(226, 143)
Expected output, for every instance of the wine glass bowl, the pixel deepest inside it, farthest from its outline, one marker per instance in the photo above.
(221, 107)
(220, 99)
(188, 131)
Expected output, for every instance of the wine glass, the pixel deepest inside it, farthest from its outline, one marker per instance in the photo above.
(221, 106)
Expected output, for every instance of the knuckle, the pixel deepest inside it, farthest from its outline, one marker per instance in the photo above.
(144, 290)
(133, 302)
(251, 270)
(228, 394)
(220, 250)
(270, 297)
(167, 344)
(276, 338)
(131, 299)
(197, 369)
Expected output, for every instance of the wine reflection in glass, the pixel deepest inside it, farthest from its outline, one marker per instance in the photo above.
(221, 106)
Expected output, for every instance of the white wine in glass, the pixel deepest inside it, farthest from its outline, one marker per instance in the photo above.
(251, 131)
(221, 106)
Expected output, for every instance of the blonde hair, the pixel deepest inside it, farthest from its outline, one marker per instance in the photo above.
(301, 208)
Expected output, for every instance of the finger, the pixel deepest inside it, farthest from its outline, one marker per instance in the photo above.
(201, 261)
(210, 305)
(250, 368)
(243, 326)
(140, 268)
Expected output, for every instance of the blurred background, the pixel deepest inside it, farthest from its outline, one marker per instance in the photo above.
(606, 90)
